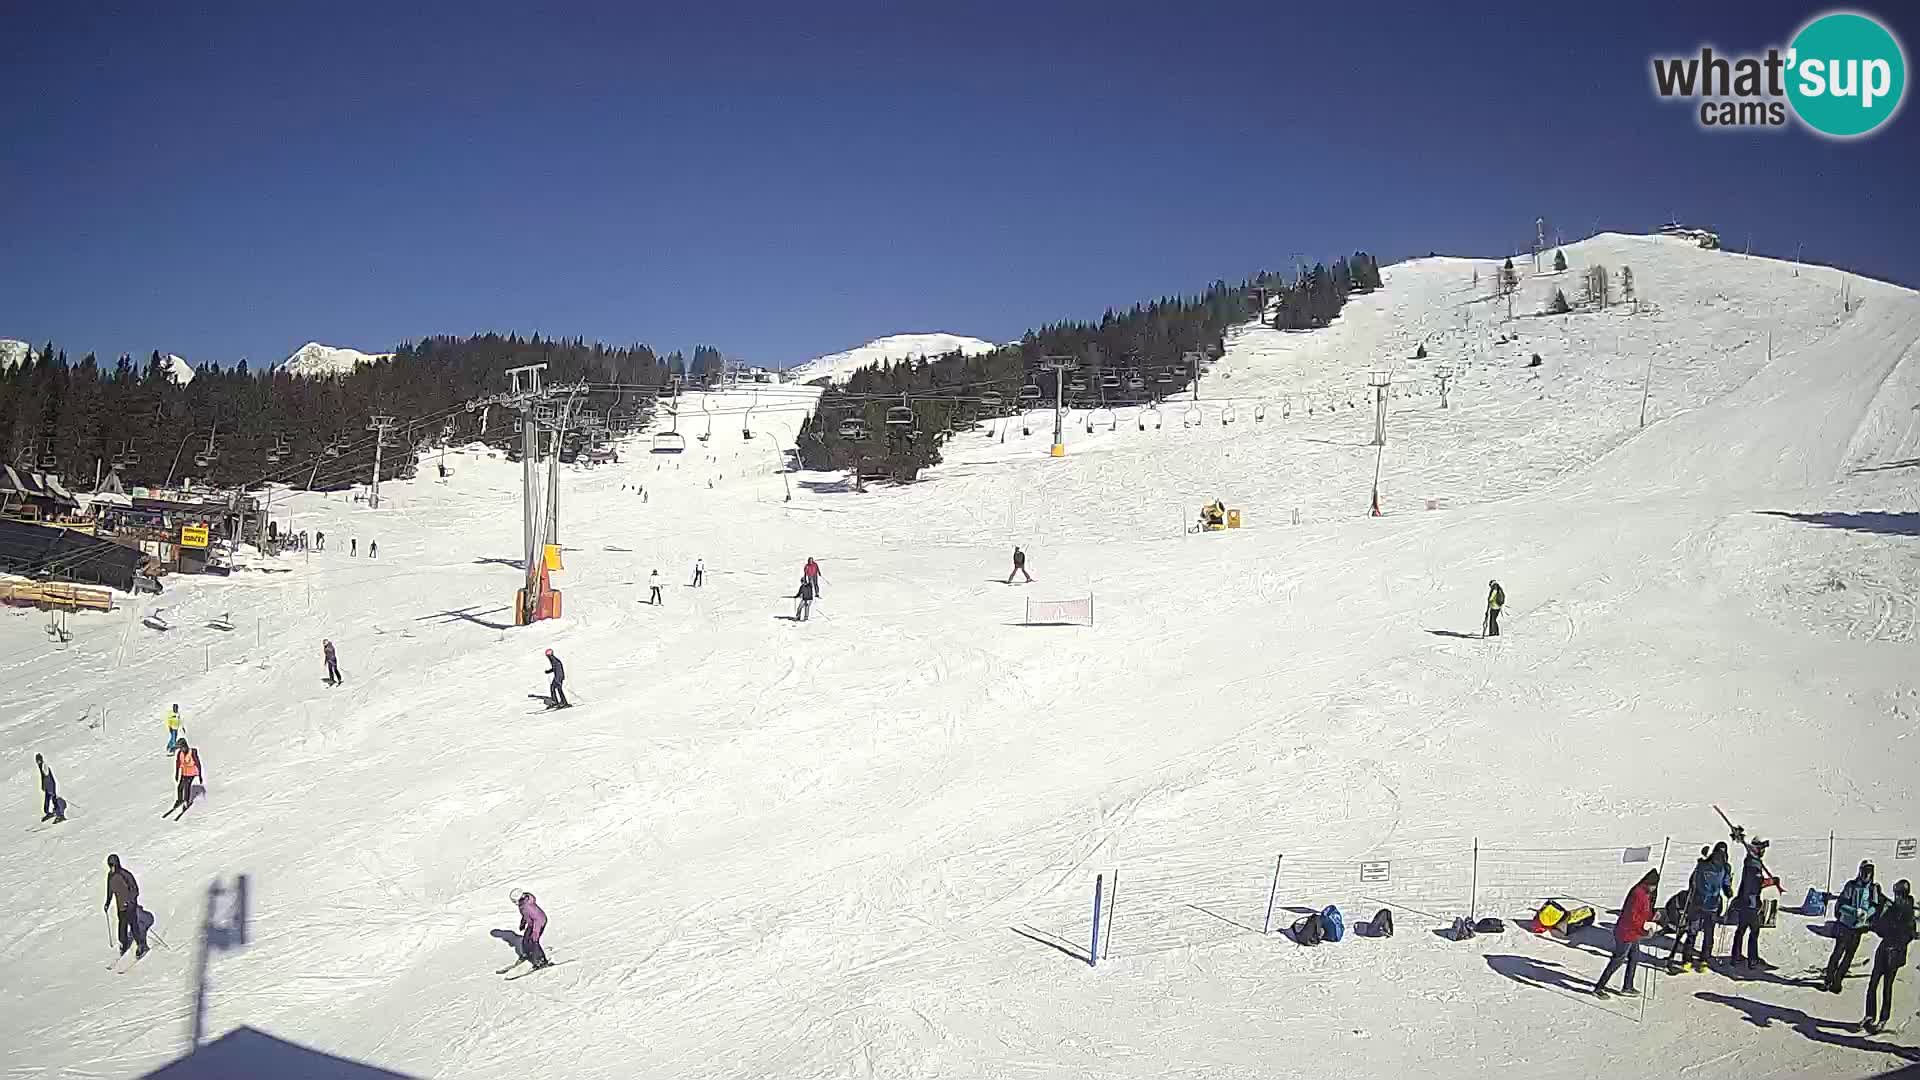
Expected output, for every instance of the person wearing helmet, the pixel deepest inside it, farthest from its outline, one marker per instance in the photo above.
(1859, 901)
(1708, 887)
(124, 891)
(1894, 924)
(173, 728)
(1746, 902)
(1496, 599)
(533, 923)
(186, 772)
(556, 690)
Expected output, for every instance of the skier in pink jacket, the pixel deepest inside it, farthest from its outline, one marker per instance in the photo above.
(533, 923)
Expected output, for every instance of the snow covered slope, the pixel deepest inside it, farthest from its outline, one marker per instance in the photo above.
(866, 844)
(837, 366)
(314, 360)
(13, 352)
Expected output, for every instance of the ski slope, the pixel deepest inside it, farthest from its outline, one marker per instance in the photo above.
(865, 845)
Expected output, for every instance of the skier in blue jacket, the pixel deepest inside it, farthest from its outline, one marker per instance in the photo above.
(1712, 882)
(1859, 901)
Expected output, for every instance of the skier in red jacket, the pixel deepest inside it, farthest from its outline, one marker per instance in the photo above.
(1636, 916)
(811, 572)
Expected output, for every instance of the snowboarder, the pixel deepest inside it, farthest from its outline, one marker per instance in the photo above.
(1895, 926)
(333, 663)
(124, 891)
(373, 549)
(1019, 566)
(1636, 916)
(173, 728)
(556, 690)
(804, 609)
(319, 541)
(186, 772)
(699, 572)
(1746, 902)
(49, 797)
(533, 923)
(1859, 901)
(1710, 885)
(653, 589)
(811, 572)
(1496, 599)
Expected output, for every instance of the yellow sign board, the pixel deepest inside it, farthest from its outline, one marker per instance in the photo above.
(193, 536)
(553, 557)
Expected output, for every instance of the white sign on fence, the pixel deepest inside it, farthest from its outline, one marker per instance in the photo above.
(1904, 849)
(1375, 873)
(1060, 612)
(1637, 854)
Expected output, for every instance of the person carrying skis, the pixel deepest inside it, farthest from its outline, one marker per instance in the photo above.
(1636, 915)
(653, 585)
(333, 663)
(1019, 566)
(1710, 884)
(1859, 901)
(699, 572)
(533, 923)
(811, 572)
(49, 797)
(1895, 926)
(804, 609)
(556, 690)
(1496, 599)
(1746, 902)
(173, 728)
(125, 892)
(186, 771)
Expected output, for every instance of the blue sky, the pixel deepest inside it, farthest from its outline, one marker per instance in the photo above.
(786, 180)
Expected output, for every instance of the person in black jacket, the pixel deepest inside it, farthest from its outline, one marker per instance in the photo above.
(48, 795)
(124, 891)
(1746, 902)
(1895, 926)
(557, 690)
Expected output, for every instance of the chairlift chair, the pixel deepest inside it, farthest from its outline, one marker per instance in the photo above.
(1030, 393)
(853, 429)
(1192, 417)
(669, 442)
(1135, 382)
(1259, 412)
(991, 400)
(900, 415)
(1110, 381)
(1076, 384)
(1228, 416)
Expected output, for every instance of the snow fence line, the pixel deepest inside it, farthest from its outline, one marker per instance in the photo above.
(1180, 902)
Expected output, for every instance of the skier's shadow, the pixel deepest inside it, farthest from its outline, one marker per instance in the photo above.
(1452, 634)
(511, 938)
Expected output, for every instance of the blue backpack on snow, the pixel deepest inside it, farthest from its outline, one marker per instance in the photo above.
(1333, 923)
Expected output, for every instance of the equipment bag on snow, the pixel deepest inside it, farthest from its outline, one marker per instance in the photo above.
(1308, 931)
(1333, 923)
(1673, 914)
(1489, 925)
(1815, 903)
(1577, 919)
(1382, 924)
(1462, 929)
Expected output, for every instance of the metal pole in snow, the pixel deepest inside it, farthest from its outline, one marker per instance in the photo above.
(1473, 897)
(1113, 899)
(1093, 949)
(1829, 861)
(1272, 894)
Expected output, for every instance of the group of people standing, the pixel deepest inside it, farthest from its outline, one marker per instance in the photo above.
(1695, 912)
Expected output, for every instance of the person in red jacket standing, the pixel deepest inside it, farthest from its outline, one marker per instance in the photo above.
(811, 572)
(1636, 917)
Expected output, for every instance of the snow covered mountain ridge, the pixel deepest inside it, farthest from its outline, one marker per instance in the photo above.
(314, 360)
(890, 349)
(13, 352)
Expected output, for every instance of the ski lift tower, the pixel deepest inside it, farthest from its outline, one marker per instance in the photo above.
(381, 426)
(1059, 365)
(1380, 381)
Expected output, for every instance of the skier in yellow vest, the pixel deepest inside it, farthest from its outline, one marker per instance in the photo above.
(1496, 599)
(173, 728)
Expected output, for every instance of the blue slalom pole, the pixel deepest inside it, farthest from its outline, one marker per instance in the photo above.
(1093, 954)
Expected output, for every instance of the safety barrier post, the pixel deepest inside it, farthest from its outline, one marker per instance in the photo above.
(1272, 894)
(1829, 861)
(1473, 897)
(1093, 949)
(1113, 899)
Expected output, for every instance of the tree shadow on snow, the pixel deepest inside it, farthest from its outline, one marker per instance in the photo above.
(1888, 522)
(1763, 1014)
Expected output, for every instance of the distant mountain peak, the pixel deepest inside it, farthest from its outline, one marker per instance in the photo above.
(315, 360)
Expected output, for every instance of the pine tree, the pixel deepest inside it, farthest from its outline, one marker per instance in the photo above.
(1509, 277)
(1626, 283)
(1560, 306)
(1559, 261)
